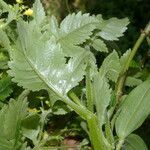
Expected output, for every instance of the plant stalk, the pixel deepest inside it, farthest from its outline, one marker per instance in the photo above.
(74, 97)
(89, 93)
(96, 135)
(122, 77)
(119, 145)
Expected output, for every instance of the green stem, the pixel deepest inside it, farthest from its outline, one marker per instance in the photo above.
(122, 77)
(74, 97)
(81, 110)
(89, 93)
(119, 145)
(96, 134)
(109, 134)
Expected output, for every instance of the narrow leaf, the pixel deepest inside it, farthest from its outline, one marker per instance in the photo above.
(102, 96)
(134, 142)
(134, 110)
(111, 66)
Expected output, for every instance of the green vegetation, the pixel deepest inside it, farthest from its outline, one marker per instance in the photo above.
(63, 84)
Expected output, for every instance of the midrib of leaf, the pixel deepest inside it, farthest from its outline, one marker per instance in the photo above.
(49, 85)
(82, 111)
(76, 30)
(135, 110)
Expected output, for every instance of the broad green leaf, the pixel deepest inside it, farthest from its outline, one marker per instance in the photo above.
(131, 81)
(111, 66)
(134, 142)
(102, 96)
(113, 28)
(134, 110)
(5, 88)
(43, 62)
(38, 12)
(99, 45)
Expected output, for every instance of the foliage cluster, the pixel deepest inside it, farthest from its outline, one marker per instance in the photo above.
(55, 65)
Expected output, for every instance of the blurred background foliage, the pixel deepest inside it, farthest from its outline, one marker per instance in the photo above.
(138, 12)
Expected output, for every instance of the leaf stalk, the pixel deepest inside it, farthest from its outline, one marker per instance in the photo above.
(122, 77)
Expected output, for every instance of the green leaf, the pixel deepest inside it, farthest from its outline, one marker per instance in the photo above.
(12, 11)
(31, 127)
(5, 144)
(134, 142)
(4, 41)
(132, 81)
(38, 12)
(124, 57)
(3, 61)
(10, 118)
(17, 111)
(111, 66)
(5, 88)
(76, 29)
(134, 110)
(113, 28)
(53, 27)
(43, 62)
(102, 96)
(60, 108)
(99, 45)
(3, 6)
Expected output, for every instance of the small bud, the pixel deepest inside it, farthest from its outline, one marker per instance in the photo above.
(19, 1)
(34, 110)
(28, 12)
